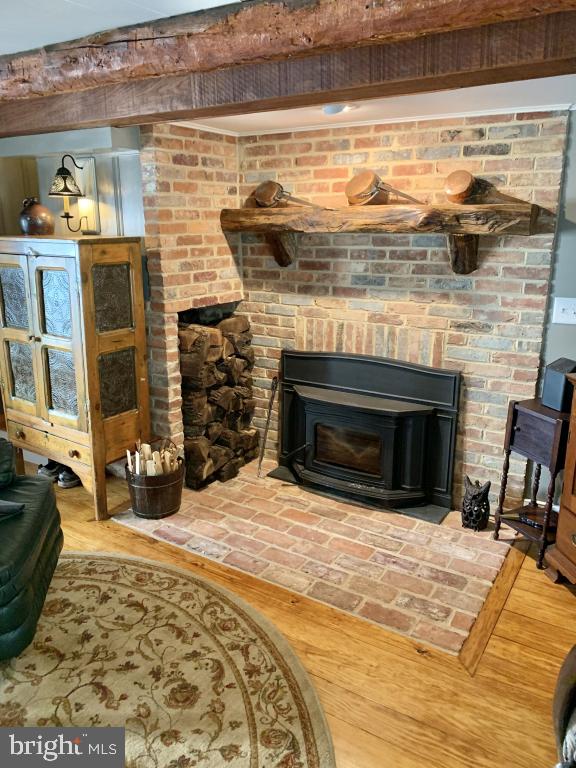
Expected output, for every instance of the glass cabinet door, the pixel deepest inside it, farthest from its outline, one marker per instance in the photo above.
(17, 352)
(58, 347)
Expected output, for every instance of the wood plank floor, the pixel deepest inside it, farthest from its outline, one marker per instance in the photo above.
(390, 702)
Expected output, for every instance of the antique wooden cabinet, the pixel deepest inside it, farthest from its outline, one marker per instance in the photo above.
(561, 558)
(73, 351)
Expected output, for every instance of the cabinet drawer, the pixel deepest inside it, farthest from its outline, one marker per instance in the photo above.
(533, 437)
(566, 534)
(53, 447)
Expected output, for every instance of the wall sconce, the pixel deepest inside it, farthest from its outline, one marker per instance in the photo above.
(65, 186)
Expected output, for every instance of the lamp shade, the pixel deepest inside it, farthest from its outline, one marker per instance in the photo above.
(64, 184)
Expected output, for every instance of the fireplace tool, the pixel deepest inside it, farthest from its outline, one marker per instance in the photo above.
(273, 390)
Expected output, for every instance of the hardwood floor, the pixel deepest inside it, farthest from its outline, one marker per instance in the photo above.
(390, 702)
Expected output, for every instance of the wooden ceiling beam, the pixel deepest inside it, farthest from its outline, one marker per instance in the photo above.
(516, 50)
(248, 32)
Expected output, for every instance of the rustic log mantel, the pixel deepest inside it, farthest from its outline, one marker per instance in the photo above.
(508, 219)
(462, 223)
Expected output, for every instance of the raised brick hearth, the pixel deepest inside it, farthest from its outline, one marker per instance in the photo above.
(393, 296)
(423, 580)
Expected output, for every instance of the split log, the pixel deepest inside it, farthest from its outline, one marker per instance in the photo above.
(214, 430)
(233, 420)
(223, 397)
(227, 348)
(233, 367)
(203, 341)
(230, 469)
(190, 337)
(205, 378)
(220, 455)
(197, 475)
(243, 392)
(249, 439)
(192, 398)
(235, 324)
(249, 355)
(194, 431)
(197, 451)
(240, 341)
(251, 455)
(190, 330)
(229, 439)
(197, 417)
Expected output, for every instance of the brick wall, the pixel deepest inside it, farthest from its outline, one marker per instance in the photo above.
(395, 295)
(188, 176)
(390, 295)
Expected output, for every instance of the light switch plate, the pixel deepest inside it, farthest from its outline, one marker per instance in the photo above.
(564, 311)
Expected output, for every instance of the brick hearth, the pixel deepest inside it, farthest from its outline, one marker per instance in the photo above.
(413, 577)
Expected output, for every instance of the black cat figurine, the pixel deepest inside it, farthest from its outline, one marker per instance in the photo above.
(475, 505)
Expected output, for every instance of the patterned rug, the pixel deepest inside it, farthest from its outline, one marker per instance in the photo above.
(195, 675)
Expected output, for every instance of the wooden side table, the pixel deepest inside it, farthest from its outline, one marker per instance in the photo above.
(540, 434)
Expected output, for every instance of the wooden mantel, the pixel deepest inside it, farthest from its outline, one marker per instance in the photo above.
(463, 224)
(508, 219)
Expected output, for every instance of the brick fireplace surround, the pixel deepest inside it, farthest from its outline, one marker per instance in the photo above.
(388, 295)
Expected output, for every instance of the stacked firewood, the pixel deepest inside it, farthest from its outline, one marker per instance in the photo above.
(217, 399)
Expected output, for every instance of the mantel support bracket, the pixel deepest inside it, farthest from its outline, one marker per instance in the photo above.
(463, 250)
(284, 246)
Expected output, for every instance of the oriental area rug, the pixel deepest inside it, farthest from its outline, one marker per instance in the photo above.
(194, 674)
(426, 581)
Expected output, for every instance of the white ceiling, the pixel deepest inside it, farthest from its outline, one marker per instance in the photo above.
(27, 24)
(525, 96)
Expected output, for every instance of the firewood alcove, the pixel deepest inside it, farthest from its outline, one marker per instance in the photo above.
(463, 224)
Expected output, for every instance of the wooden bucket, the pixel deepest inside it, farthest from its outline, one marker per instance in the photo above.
(158, 495)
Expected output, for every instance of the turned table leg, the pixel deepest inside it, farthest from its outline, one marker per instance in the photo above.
(536, 484)
(502, 496)
(546, 521)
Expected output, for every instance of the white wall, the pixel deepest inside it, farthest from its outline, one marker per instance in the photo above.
(560, 340)
(116, 154)
(119, 192)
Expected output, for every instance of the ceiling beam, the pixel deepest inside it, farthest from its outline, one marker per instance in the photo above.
(495, 53)
(248, 32)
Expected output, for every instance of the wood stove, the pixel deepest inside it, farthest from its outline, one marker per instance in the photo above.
(367, 427)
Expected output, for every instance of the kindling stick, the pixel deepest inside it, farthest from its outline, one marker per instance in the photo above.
(273, 389)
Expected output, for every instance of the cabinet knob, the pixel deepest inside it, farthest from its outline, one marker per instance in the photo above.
(574, 539)
(34, 338)
(20, 435)
(73, 453)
